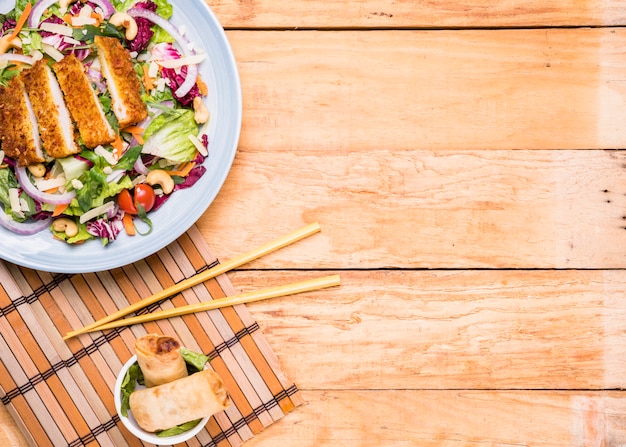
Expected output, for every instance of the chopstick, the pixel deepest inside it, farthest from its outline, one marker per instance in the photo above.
(256, 253)
(242, 298)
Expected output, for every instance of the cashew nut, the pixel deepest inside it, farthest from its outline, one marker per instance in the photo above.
(7, 42)
(201, 113)
(162, 178)
(38, 170)
(65, 225)
(126, 21)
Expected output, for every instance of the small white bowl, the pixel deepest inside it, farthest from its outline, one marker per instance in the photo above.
(131, 424)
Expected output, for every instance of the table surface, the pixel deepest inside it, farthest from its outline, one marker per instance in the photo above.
(465, 162)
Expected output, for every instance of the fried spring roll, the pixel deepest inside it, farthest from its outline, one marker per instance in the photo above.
(193, 397)
(55, 125)
(122, 81)
(82, 102)
(159, 359)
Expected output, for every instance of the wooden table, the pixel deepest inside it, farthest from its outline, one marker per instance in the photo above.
(464, 160)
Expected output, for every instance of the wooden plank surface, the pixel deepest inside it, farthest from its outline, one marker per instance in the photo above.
(418, 13)
(421, 330)
(403, 418)
(452, 209)
(436, 90)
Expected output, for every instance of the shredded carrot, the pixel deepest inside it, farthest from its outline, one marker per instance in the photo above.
(118, 145)
(52, 190)
(136, 132)
(133, 129)
(148, 82)
(129, 226)
(184, 169)
(204, 89)
(97, 17)
(67, 18)
(179, 169)
(22, 20)
(58, 210)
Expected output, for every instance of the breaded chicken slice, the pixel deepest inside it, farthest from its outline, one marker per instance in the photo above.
(19, 133)
(56, 129)
(122, 81)
(82, 102)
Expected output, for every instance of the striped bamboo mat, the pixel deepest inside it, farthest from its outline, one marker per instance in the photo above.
(60, 392)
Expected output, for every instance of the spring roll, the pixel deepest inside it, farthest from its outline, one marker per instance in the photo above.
(193, 397)
(159, 359)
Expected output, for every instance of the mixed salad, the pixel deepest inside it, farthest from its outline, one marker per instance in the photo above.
(100, 192)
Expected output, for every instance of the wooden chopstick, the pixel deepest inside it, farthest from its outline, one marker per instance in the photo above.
(270, 247)
(242, 298)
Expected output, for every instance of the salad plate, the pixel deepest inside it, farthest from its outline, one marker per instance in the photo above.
(219, 71)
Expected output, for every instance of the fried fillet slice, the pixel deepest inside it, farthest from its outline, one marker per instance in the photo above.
(122, 81)
(56, 129)
(19, 132)
(82, 102)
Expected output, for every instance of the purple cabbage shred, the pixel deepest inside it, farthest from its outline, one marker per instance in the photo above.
(105, 229)
(176, 80)
(192, 178)
(144, 27)
(9, 24)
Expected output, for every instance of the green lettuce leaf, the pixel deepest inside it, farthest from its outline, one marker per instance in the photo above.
(128, 386)
(7, 181)
(167, 136)
(182, 428)
(96, 189)
(194, 359)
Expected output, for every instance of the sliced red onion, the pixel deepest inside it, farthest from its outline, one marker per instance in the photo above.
(190, 81)
(107, 7)
(115, 176)
(40, 196)
(192, 70)
(140, 167)
(37, 11)
(13, 57)
(23, 228)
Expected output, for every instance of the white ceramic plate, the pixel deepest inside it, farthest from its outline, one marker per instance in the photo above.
(132, 425)
(182, 210)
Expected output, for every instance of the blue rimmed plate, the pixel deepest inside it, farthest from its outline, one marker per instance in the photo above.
(184, 208)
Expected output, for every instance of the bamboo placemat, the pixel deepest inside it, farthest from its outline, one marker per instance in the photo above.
(60, 392)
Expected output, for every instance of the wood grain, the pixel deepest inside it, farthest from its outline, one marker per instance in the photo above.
(449, 329)
(349, 91)
(451, 209)
(418, 14)
(403, 418)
